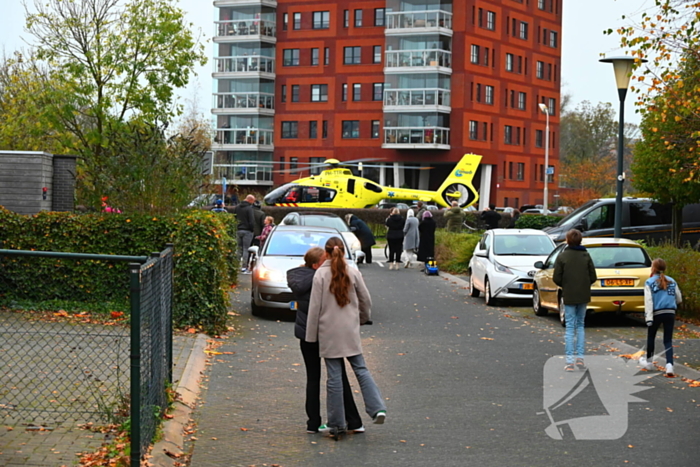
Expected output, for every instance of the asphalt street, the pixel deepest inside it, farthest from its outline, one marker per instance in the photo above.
(464, 385)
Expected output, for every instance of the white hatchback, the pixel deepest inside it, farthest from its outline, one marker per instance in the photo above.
(503, 263)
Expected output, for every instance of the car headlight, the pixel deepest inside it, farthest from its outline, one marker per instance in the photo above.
(271, 275)
(500, 268)
(355, 245)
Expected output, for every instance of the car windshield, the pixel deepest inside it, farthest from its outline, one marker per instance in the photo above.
(525, 245)
(325, 221)
(296, 242)
(619, 257)
(576, 213)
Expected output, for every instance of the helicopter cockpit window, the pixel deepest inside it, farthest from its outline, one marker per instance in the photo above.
(372, 187)
(293, 195)
(314, 194)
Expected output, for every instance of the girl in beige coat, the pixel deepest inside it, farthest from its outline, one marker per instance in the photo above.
(339, 304)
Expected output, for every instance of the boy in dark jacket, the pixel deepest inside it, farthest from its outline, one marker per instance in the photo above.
(300, 281)
(574, 272)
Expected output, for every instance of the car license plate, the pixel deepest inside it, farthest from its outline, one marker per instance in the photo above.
(617, 282)
(526, 286)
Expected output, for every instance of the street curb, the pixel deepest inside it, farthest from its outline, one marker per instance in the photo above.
(169, 449)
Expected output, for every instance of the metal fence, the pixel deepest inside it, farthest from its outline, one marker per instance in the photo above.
(57, 371)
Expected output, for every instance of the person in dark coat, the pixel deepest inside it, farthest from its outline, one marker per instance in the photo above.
(364, 235)
(394, 237)
(259, 219)
(491, 217)
(246, 226)
(574, 272)
(426, 247)
(300, 280)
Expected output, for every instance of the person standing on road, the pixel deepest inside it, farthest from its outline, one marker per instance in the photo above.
(410, 237)
(245, 228)
(426, 248)
(661, 299)
(454, 217)
(339, 304)
(421, 209)
(574, 272)
(300, 281)
(364, 235)
(394, 237)
(269, 225)
(491, 217)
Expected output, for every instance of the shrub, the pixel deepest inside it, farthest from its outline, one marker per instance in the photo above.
(536, 221)
(453, 251)
(684, 266)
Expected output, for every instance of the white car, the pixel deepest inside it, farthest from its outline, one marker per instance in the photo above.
(324, 219)
(503, 263)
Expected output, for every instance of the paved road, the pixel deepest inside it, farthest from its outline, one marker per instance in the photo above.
(463, 384)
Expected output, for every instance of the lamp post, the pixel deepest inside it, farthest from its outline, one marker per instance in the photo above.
(545, 110)
(622, 66)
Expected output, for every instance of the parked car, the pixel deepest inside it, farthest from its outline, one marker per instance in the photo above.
(392, 205)
(538, 211)
(506, 210)
(324, 219)
(285, 249)
(621, 265)
(503, 263)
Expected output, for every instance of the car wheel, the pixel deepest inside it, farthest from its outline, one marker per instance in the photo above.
(537, 303)
(473, 291)
(255, 310)
(562, 311)
(490, 301)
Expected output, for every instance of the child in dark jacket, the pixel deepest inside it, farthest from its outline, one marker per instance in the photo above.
(300, 281)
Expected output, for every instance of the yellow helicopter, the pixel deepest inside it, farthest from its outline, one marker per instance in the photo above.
(337, 187)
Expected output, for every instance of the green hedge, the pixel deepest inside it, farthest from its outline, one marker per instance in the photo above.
(453, 251)
(684, 266)
(536, 221)
(205, 261)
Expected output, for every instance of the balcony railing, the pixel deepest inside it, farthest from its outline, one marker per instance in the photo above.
(419, 19)
(245, 27)
(419, 58)
(244, 64)
(417, 135)
(416, 97)
(250, 172)
(244, 136)
(244, 100)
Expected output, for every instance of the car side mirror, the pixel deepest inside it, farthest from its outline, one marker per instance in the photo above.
(358, 255)
(481, 253)
(583, 225)
(539, 265)
(254, 249)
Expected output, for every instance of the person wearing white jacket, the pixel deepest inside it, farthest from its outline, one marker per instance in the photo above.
(661, 299)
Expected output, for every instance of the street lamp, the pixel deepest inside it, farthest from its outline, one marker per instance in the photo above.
(622, 67)
(545, 109)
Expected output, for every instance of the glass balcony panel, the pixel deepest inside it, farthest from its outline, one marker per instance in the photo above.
(416, 97)
(419, 58)
(248, 136)
(242, 27)
(419, 19)
(244, 100)
(244, 171)
(417, 135)
(244, 64)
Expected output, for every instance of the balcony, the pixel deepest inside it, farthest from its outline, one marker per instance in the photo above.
(417, 100)
(249, 173)
(416, 61)
(419, 22)
(416, 138)
(241, 30)
(244, 138)
(244, 103)
(223, 3)
(244, 66)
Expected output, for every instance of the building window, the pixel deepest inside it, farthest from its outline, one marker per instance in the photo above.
(522, 100)
(375, 129)
(512, 99)
(319, 93)
(295, 93)
(314, 57)
(552, 39)
(285, 21)
(539, 70)
(552, 106)
(316, 165)
(521, 171)
(351, 129)
(283, 97)
(297, 21)
(346, 18)
(358, 18)
(289, 130)
(488, 97)
(473, 130)
(478, 92)
(539, 134)
(313, 129)
(475, 54)
(324, 129)
(377, 54)
(327, 56)
(378, 91)
(486, 56)
(508, 134)
(344, 97)
(352, 56)
(509, 62)
(293, 164)
(357, 92)
(290, 57)
(523, 30)
(491, 20)
(541, 4)
(322, 20)
(379, 17)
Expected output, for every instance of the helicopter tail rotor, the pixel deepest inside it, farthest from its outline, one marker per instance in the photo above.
(458, 185)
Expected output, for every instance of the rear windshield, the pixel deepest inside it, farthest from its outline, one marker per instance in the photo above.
(619, 257)
(325, 221)
(296, 243)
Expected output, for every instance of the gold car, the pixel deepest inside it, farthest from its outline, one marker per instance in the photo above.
(621, 265)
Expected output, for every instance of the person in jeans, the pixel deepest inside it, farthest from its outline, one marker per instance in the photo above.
(574, 272)
(300, 281)
(245, 228)
(339, 304)
(661, 299)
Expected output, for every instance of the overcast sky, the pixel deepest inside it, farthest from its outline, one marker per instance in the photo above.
(582, 40)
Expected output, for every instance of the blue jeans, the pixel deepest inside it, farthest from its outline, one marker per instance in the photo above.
(575, 316)
(334, 395)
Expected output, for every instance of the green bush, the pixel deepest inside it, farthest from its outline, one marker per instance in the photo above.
(684, 266)
(453, 251)
(536, 221)
(205, 260)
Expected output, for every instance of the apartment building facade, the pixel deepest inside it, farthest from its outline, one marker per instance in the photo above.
(407, 83)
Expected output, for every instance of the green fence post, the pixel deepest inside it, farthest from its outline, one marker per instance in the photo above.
(135, 357)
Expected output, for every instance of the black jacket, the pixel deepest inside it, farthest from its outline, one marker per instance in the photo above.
(245, 216)
(395, 224)
(426, 246)
(574, 272)
(492, 218)
(259, 216)
(300, 281)
(362, 232)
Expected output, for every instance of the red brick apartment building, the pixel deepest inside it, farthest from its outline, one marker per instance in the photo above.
(409, 82)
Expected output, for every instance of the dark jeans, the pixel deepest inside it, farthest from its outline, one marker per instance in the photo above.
(312, 361)
(367, 250)
(395, 247)
(667, 320)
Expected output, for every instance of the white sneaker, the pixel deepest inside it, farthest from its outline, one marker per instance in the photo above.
(646, 365)
(380, 417)
(669, 368)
